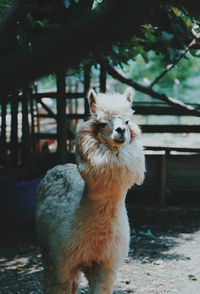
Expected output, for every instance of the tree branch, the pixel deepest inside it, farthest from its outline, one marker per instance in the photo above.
(147, 90)
(80, 35)
(168, 68)
(68, 46)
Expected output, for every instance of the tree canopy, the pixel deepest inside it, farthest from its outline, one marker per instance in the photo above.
(43, 36)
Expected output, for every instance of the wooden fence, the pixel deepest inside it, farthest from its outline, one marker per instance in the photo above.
(23, 143)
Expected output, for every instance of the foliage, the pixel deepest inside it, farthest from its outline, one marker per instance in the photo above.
(167, 37)
(166, 27)
(180, 81)
(4, 5)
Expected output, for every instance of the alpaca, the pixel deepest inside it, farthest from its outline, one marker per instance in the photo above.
(81, 217)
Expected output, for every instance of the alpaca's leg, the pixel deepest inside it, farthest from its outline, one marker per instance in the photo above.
(58, 279)
(56, 282)
(70, 286)
(60, 283)
(91, 274)
(104, 281)
(100, 279)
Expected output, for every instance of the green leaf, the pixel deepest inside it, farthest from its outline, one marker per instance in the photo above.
(4, 6)
(176, 11)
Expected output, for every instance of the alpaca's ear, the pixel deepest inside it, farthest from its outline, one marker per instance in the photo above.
(129, 95)
(92, 96)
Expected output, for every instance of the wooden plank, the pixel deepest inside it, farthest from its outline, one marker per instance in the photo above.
(68, 116)
(53, 136)
(183, 173)
(14, 129)
(33, 106)
(146, 109)
(3, 152)
(184, 184)
(168, 149)
(53, 95)
(150, 109)
(162, 181)
(184, 161)
(87, 78)
(61, 118)
(170, 128)
(102, 79)
(46, 136)
(26, 146)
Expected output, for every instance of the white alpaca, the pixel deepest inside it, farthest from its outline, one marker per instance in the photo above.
(81, 216)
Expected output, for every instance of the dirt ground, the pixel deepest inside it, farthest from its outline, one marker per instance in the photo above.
(164, 255)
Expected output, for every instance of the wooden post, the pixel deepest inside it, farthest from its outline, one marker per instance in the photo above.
(61, 118)
(163, 181)
(25, 159)
(33, 140)
(86, 89)
(14, 129)
(102, 79)
(37, 118)
(3, 131)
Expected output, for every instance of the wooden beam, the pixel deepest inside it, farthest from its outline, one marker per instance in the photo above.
(163, 181)
(87, 71)
(61, 118)
(170, 128)
(53, 95)
(102, 79)
(68, 116)
(14, 130)
(33, 107)
(25, 128)
(3, 131)
(153, 109)
(52, 136)
(169, 149)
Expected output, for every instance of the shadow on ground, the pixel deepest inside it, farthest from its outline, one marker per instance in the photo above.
(153, 234)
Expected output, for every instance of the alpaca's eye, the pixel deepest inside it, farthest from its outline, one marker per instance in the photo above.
(127, 121)
(102, 125)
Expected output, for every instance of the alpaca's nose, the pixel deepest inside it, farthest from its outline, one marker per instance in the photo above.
(120, 131)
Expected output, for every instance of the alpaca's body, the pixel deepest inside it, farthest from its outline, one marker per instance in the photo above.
(83, 224)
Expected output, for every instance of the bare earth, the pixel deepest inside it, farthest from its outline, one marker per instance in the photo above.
(164, 255)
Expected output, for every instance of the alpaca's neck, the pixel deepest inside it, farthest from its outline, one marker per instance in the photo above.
(107, 181)
(104, 204)
(105, 194)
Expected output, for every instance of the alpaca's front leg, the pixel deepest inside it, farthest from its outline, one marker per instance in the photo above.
(58, 280)
(70, 286)
(60, 288)
(101, 280)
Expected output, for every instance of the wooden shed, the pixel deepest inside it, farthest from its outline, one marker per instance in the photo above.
(36, 136)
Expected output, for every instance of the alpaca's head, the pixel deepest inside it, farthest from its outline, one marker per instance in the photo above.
(112, 114)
